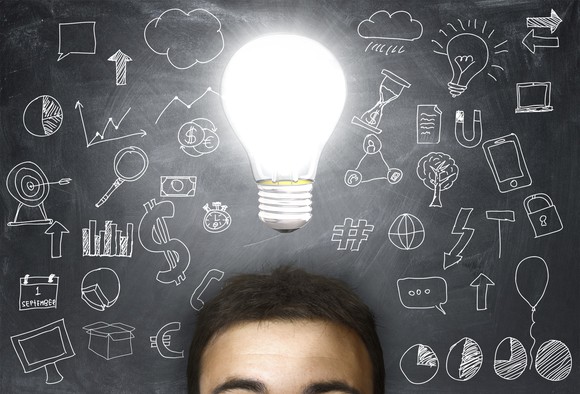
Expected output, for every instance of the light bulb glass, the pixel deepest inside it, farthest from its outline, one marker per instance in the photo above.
(283, 95)
(468, 55)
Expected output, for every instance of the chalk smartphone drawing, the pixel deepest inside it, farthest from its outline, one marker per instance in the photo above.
(407, 232)
(476, 129)
(211, 275)
(350, 236)
(467, 47)
(500, 216)
(38, 292)
(390, 89)
(532, 41)
(438, 172)
(423, 293)
(29, 185)
(177, 185)
(129, 165)
(100, 288)
(460, 227)
(110, 340)
(170, 35)
(428, 124)
(43, 116)
(506, 160)
(372, 166)
(162, 341)
(216, 218)
(542, 214)
(553, 360)
(533, 97)
(109, 242)
(103, 136)
(464, 360)
(419, 364)
(76, 38)
(154, 237)
(510, 360)
(387, 26)
(43, 347)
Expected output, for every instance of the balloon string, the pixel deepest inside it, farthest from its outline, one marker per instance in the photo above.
(532, 336)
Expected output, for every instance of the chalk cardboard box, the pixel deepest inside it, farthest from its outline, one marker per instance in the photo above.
(110, 340)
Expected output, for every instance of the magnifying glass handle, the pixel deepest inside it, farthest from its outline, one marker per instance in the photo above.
(106, 196)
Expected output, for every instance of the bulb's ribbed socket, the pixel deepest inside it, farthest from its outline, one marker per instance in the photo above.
(455, 89)
(285, 208)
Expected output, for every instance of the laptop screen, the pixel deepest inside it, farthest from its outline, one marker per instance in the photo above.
(533, 96)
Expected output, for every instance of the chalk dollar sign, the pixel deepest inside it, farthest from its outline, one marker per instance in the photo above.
(154, 237)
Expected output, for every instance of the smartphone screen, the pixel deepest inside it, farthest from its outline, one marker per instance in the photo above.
(506, 161)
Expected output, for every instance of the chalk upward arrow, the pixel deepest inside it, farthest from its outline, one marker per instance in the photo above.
(552, 22)
(56, 230)
(481, 283)
(120, 60)
(531, 41)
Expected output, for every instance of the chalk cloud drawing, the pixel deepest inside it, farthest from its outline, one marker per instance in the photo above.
(500, 216)
(533, 97)
(185, 38)
(43, 116)
(428, 124)
(454, 256)
(481, 284)
(350, 235)
(216, 218)
(154, 237)
(43, 347)
(515, 364)
(100, 288)
(103, 136)
(120, 60)
(384, 25)
(476, 130)
(507, 163)
(390, 89)
(211, 275)
(407, 232)
(531, 278)
(38, 292)
(531, 41)
(542, 214)
(109, 242)
(438, 172)
(162, 341)
(553, 360)
(198, 137)
(129, 165)
(372, 166)
(419, 364)
(423, 293)
(177, 185)
(464, 360)
(110, 340)
(468, 52)
(76, 38)
(29, 185)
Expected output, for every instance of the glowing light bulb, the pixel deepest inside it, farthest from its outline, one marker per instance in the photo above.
(283, 95)
(468, 55)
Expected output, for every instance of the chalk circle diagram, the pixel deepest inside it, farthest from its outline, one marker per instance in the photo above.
(419, 364)
(42, 116)
(464, 360)
(510, 360)
(554, 360)
(185, 38)
(407, 232)
(100, 288)
(198, 137)
(384, 25)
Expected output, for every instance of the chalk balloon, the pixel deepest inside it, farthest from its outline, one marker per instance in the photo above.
(532, 278)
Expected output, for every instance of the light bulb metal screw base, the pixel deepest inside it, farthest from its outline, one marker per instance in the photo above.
(285, 207)
(455, 89)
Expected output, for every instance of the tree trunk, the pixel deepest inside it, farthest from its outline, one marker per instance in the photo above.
(436, 202)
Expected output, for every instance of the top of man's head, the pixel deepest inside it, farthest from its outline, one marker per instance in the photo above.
(286, 295)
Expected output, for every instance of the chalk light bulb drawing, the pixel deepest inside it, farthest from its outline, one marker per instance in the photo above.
(283, 96)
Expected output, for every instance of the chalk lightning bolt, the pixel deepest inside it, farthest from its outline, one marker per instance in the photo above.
(465, 234)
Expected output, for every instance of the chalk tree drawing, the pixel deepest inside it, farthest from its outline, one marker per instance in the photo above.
(438, 172)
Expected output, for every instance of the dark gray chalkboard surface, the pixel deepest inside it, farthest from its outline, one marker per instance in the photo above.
(86, 90)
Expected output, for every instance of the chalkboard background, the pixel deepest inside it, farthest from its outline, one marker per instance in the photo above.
(29, 49)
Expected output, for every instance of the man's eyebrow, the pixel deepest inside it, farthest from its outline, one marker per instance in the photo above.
(241, 384)
(326, 387)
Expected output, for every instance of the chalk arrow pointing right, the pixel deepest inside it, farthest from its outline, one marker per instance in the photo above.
(552, 22)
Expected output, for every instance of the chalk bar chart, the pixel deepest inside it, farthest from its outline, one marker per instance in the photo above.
(109, 242)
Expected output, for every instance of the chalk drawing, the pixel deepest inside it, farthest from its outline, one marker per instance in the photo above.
(514, 366)
(110, 340)
(553, 361)
(176, 99)
(38, 292)
(531, 41)
(423, 293)
(109, 242)
(500, 216)
(120, 60)
(162, 341)
(428, 124)
(350, 235)
(216, 219)
(56, 230)
(43, 116)
(198, 137)
(407, 232)
(544, 218)
(373, 160)
(100, 288)
(464, 360)
(177, 185)
(438, 172)
(454, 256)
(533, 97)
(419, 364)
(476, 132)
(211, 275)
(481, 284)
(507, 163)
(384, 25)
(76, 38)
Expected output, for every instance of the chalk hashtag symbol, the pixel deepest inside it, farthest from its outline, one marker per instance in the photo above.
(350, 236)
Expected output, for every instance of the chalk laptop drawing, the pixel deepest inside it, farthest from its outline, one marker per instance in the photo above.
(533, 97)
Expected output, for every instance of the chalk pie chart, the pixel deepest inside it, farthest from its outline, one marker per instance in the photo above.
(42, 117)
(553, 360)
(419, 364)
(464, 360)
(510, 359)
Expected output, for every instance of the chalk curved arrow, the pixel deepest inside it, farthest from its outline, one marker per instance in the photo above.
(56, 230)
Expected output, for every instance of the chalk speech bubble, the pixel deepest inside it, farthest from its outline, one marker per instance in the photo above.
(423, 293)
(76, 38)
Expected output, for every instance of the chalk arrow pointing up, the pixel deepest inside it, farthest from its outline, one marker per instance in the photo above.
(56, 230)
(552, 22)
(481, 283)
(120, 60)
(531, 41)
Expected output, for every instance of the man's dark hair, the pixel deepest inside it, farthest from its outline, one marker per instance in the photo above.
(287, 294)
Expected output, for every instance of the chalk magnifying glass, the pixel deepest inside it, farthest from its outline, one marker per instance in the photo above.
(129, 165)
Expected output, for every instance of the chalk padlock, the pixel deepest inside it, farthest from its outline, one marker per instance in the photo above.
(544, 220)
